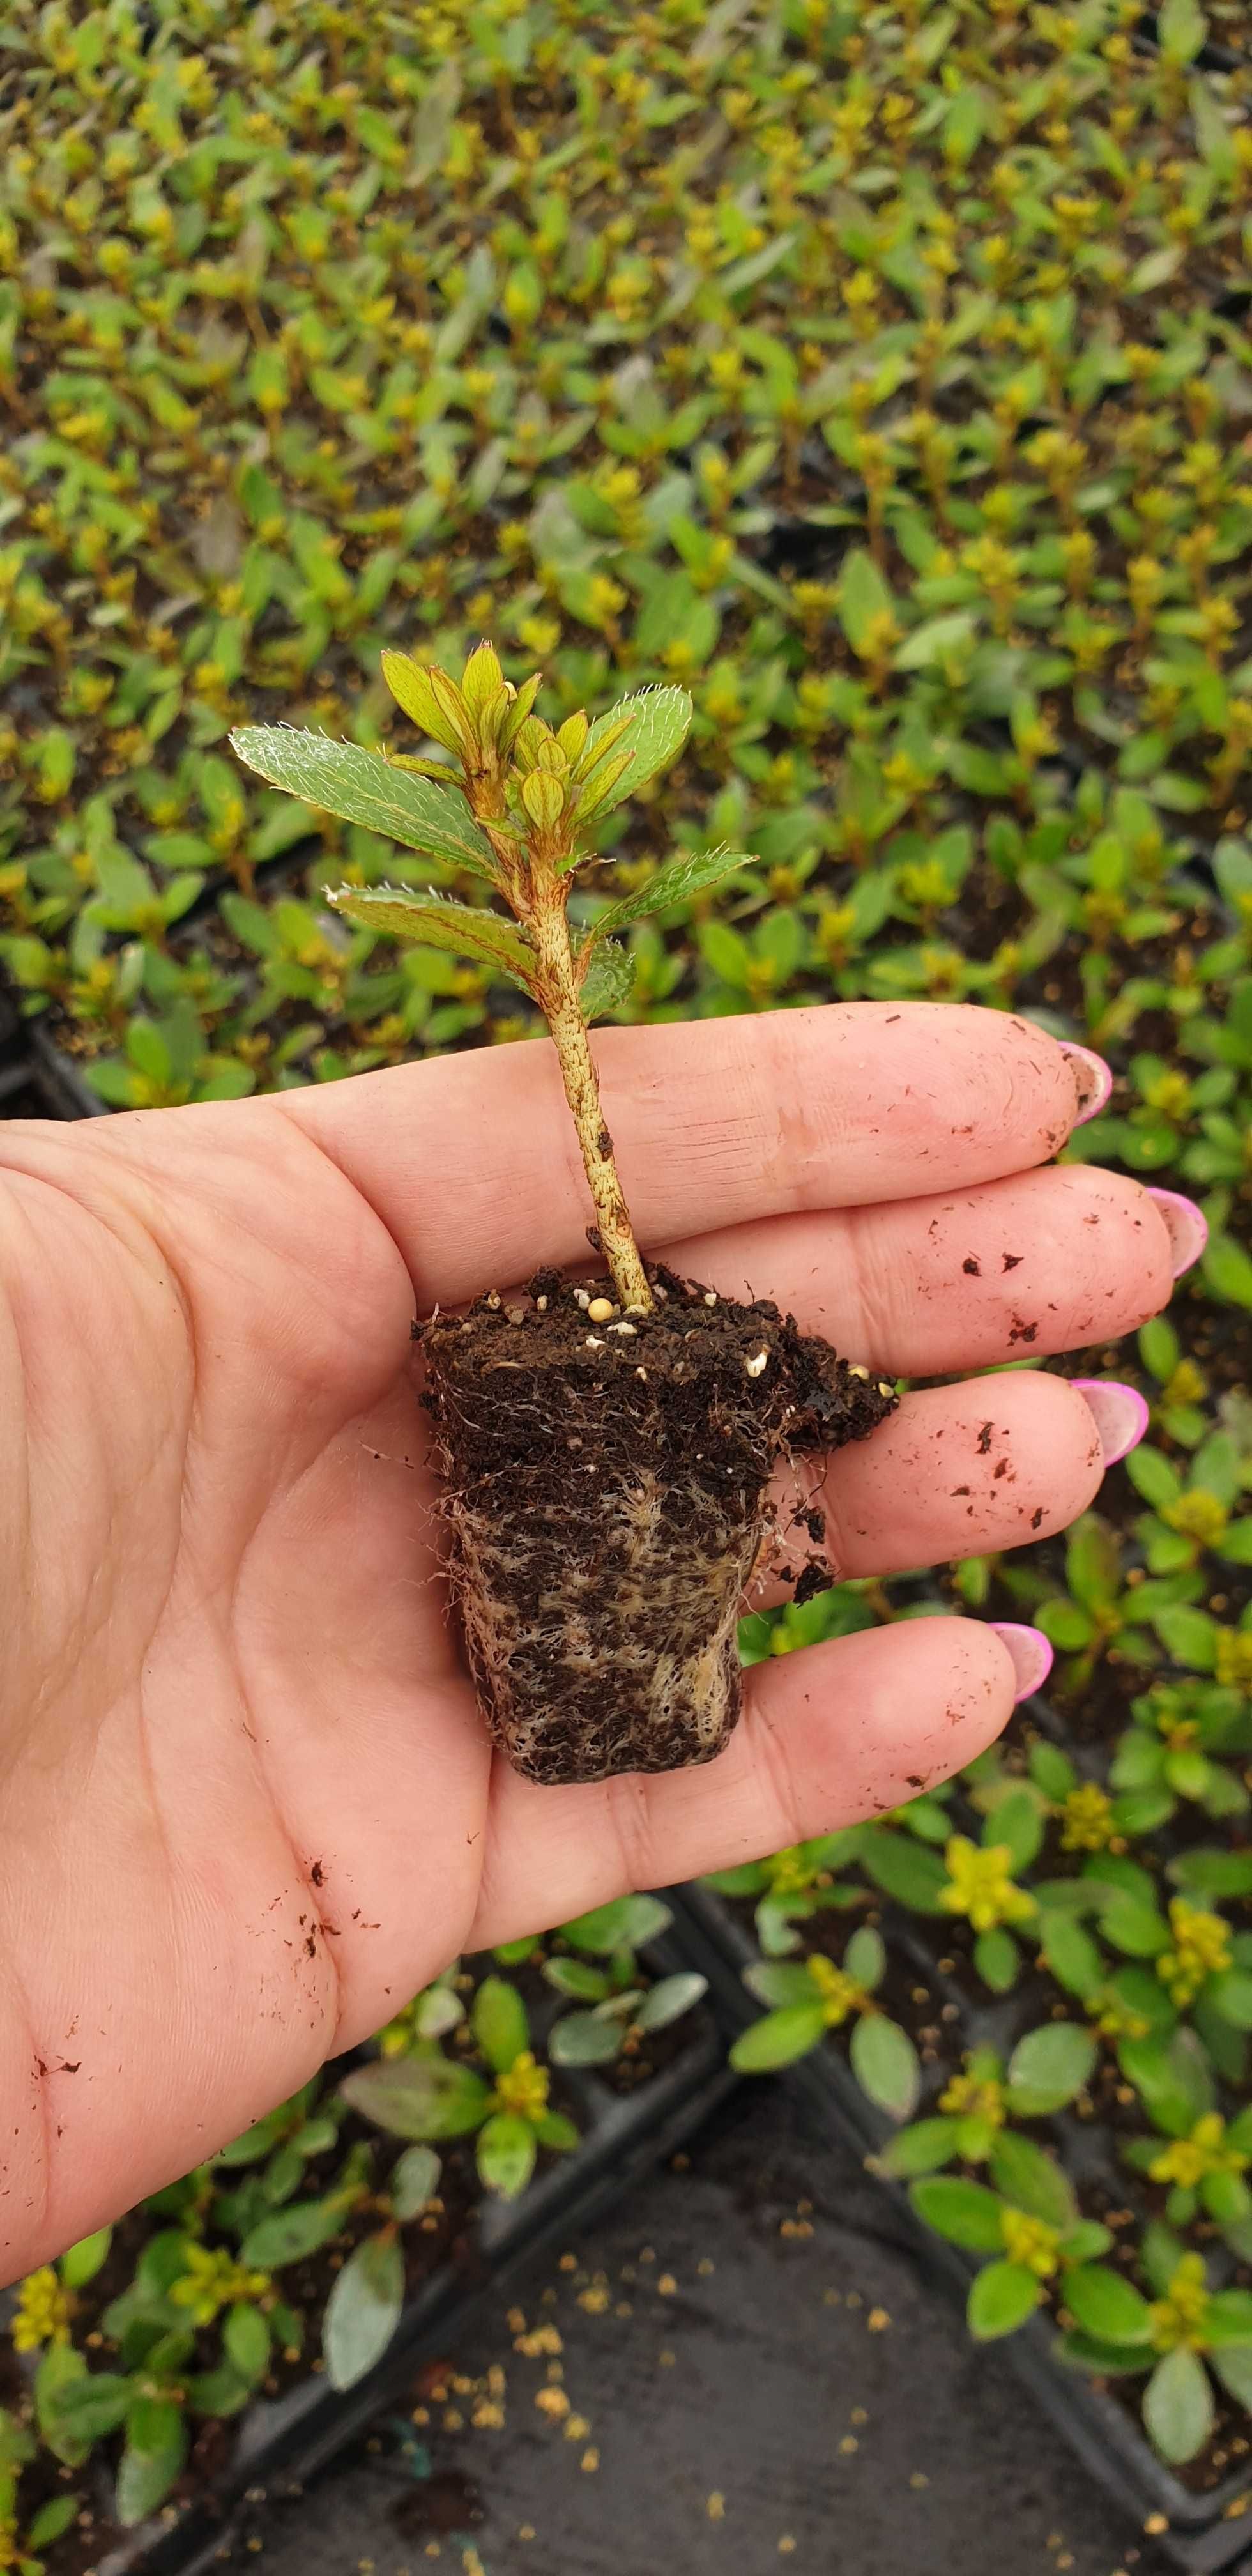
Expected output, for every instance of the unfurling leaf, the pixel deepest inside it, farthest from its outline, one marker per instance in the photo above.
(659, 719)
(436, 921)
(363, 787)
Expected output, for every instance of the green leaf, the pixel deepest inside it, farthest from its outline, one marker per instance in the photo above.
(997, 1959)
(289, 2234)
(905, 1869)
(1070, 1954)
(80, 2263)
(246, 2340)
(156, 2447)
(499, 2024)
(921, 2149)
(1181, 29)
(1234, 2369)
(1178, 2406)
(659, 720)
(779, 1981)
(625, 1924)
(578, 1978)
(418, 2097)
(865, 1958)
(933, 641)
(437, 921)
(1229, 2318)
(1228, 1270)
(1001, 2297)
(363, 787)
(863, 596)
(92, 2404)
(607, 980)
(1106, 2306)
(886, 2064)
(965, 2212)
(1048, 2067)
(676, 882)
(414, 2181)
(1154, 1478)
(363, 2310)
(778, 2039)
(586, 2039)
(1033, 2181)
(556, 2131)
(52, 2521)
(669, 1999)
(506, 2154)
(1016, 1821)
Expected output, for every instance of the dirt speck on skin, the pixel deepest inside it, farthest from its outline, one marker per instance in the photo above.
(972, 1268)
(1023, 1332)
(1012, 1260)
(984, 1440)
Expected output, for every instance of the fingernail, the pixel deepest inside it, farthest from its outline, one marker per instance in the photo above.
(1095, 1080)
(1186, 1225)
(1031, 1653)
(1121, 1414)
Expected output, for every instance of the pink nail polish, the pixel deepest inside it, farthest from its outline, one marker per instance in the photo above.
(1186, 1225)
(1095, 1080)
(1121, 1414)
(1031, 1653)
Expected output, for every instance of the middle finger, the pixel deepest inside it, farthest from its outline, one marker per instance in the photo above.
(1048, 1260)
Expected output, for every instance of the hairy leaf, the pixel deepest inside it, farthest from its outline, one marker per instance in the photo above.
(436, 921)
(676, 882)
(610, 972)
(658, 730)
(363, 787)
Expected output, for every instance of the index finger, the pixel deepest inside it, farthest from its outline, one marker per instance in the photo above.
(473, 1164)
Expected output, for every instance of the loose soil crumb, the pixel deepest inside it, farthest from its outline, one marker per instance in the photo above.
(608, 1482)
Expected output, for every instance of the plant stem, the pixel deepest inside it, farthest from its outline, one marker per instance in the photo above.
(558, 1000)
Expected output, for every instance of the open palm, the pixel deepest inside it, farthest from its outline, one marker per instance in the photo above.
(248, 1803)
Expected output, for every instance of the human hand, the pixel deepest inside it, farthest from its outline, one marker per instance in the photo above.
(248, 1803)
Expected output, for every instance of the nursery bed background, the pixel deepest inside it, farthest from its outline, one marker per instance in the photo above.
(882, 375)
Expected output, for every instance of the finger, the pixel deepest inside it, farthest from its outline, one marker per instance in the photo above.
(830, 1735)
(473, 1163)
(962, 1471)
(1044, 1261)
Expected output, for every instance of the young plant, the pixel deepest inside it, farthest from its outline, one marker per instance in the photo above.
(793, 1885)
(1114, 2330)
(1039, 2243)
(22, 2541)
(427, 2095)
(622, 2003)
(807, 1999)
(612, 1382)
(971, 2125)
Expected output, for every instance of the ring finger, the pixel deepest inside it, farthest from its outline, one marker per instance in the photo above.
(965, 1471)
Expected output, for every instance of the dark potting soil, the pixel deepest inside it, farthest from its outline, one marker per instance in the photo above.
(607, 1493)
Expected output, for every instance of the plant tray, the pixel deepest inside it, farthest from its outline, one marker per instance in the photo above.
(1204, 2532)
(281, 2443)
